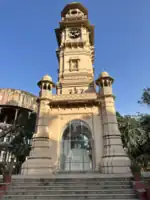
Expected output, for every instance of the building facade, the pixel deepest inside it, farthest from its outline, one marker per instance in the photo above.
(76, 128)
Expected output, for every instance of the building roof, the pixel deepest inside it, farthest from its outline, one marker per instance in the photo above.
(47, 78)
(19, 98)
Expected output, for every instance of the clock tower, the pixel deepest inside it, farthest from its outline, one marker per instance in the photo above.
(75, 51)
(76, 128)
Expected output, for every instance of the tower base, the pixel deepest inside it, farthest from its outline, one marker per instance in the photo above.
(115, 165)
(39, 162)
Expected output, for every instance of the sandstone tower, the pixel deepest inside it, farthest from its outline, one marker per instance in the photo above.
(76, 128)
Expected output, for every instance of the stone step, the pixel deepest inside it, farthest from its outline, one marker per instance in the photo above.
(71, 182)
(102, 185)
(72, 196)
(69, 187)
(70, 192)
(71, 179)
(47, 198)
(76, 185)
(106, 188)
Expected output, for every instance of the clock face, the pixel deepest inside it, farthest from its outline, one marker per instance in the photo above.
(74, 33)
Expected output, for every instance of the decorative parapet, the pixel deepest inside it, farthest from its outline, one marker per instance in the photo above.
(74, 97)
(18, 98)
(69, 98)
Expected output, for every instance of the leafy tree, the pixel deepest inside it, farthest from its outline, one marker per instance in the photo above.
(145, 97)
(144, 145)
(136, 138)
(19, 142)
(145, 124)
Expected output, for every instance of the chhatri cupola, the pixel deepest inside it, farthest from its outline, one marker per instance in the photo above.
(75, 51)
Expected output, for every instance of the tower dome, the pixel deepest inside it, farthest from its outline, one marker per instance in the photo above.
(47, 78)
(104, 78)
(74, 5)
(45, 81)
(104, 74)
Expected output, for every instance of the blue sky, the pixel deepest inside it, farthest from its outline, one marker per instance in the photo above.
(122, 44)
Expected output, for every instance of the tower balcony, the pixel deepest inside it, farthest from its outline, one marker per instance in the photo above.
(74, 43)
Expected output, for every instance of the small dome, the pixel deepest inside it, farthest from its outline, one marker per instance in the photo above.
(47, 78)
(104, 74)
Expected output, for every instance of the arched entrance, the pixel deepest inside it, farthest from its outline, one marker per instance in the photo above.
(76, 147)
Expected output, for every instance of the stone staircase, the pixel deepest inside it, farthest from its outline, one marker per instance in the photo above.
(71, 187)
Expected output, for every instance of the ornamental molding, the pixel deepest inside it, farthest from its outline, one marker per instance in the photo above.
(68, 97)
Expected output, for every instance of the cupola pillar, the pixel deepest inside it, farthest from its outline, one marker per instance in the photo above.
(45, 84)
(114, 158)
(45, 95)
(39, 160)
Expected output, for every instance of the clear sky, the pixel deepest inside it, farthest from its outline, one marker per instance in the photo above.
(122, 44)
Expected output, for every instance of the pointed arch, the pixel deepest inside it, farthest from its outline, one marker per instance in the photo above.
(84, 123)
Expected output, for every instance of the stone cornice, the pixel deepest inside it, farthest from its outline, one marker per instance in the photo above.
(102, 97)
(69, 98)
(76, 81)
(74, 99)
(72, 23)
